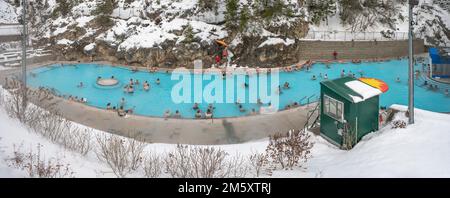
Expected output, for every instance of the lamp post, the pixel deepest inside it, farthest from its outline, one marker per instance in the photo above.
(411, 4)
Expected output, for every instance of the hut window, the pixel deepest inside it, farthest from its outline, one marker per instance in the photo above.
(333, 108)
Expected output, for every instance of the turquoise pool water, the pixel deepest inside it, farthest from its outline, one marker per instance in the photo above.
(154, 102)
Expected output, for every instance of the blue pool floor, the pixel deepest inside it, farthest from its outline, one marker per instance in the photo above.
(154, 102)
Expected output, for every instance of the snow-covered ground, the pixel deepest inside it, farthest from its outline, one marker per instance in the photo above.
(419, 150)
(7, 13)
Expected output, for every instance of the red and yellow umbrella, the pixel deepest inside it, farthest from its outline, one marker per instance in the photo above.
(377, 83)
(221, 42)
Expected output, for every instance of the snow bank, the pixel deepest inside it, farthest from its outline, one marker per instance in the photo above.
(89, 47)
(419, 150)
(64, 42)
(7, 13)
(275, 41)
(363, 89)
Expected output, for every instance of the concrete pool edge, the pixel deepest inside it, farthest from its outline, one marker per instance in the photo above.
(185, 131)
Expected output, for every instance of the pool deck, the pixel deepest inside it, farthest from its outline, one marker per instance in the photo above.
(185, 131)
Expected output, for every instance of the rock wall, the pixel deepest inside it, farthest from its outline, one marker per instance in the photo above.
(356, 50)
(247, 54)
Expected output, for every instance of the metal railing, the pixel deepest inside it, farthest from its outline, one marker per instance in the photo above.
(356, 36)
(126, 13)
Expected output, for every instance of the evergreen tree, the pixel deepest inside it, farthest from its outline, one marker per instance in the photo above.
(231, 14)
(243, 18)
(103, 11)
(188, 34)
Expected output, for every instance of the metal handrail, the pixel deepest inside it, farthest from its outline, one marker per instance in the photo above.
(352, 35)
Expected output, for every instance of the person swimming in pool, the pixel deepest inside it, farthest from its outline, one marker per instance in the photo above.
(122, 102)
(136, 82)
(167, 114)
(342, 73)
(313, 77)
(397, 80)
(131, 82)
(208, 114)
(158, 81)
(446, 92)
(241, 108)
(278, 91)
(211, 107)
(198, 114)
(195, 107)
(177, 114)
(108, 106)
(112, 77)
(325, 76)
(258, 101)
(121, 112)
(288, 106)
(286, 85)
(99, 78)
(253, 112)
(80, 85)
(130, 89)
(146, 86)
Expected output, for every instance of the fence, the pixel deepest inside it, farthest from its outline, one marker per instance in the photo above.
(357, 36)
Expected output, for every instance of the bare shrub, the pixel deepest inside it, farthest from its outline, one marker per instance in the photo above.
(36, 166)
(236, 167)
(153, 165)
(121, 155)
(178, 162)
(79, 140)
(398, 124)
(203, 162)
(289, 150)
(45, 120)
(258, 161)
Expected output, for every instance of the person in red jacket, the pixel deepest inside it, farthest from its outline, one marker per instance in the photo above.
(225, 53)
(217, 59)
(335, 55)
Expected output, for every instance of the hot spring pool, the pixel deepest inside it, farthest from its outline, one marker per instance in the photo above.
(156, 101)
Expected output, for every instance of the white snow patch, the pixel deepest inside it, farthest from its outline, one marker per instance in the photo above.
(7, 13)
(275, 41)
(64, 42)
(89, 47)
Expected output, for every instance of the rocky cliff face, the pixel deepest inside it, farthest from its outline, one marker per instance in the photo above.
(174, 33)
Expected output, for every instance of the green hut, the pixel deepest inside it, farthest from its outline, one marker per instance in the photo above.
(349, 110)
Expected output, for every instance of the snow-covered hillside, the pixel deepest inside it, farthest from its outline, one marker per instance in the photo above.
(7, 13)
(176, 32)
(419, 150)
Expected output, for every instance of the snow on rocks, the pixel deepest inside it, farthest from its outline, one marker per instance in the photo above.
(276, 41)
(64, 42)
(7, 13)
(89, 49)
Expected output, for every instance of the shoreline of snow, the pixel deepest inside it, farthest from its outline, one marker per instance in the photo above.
(379, 154)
